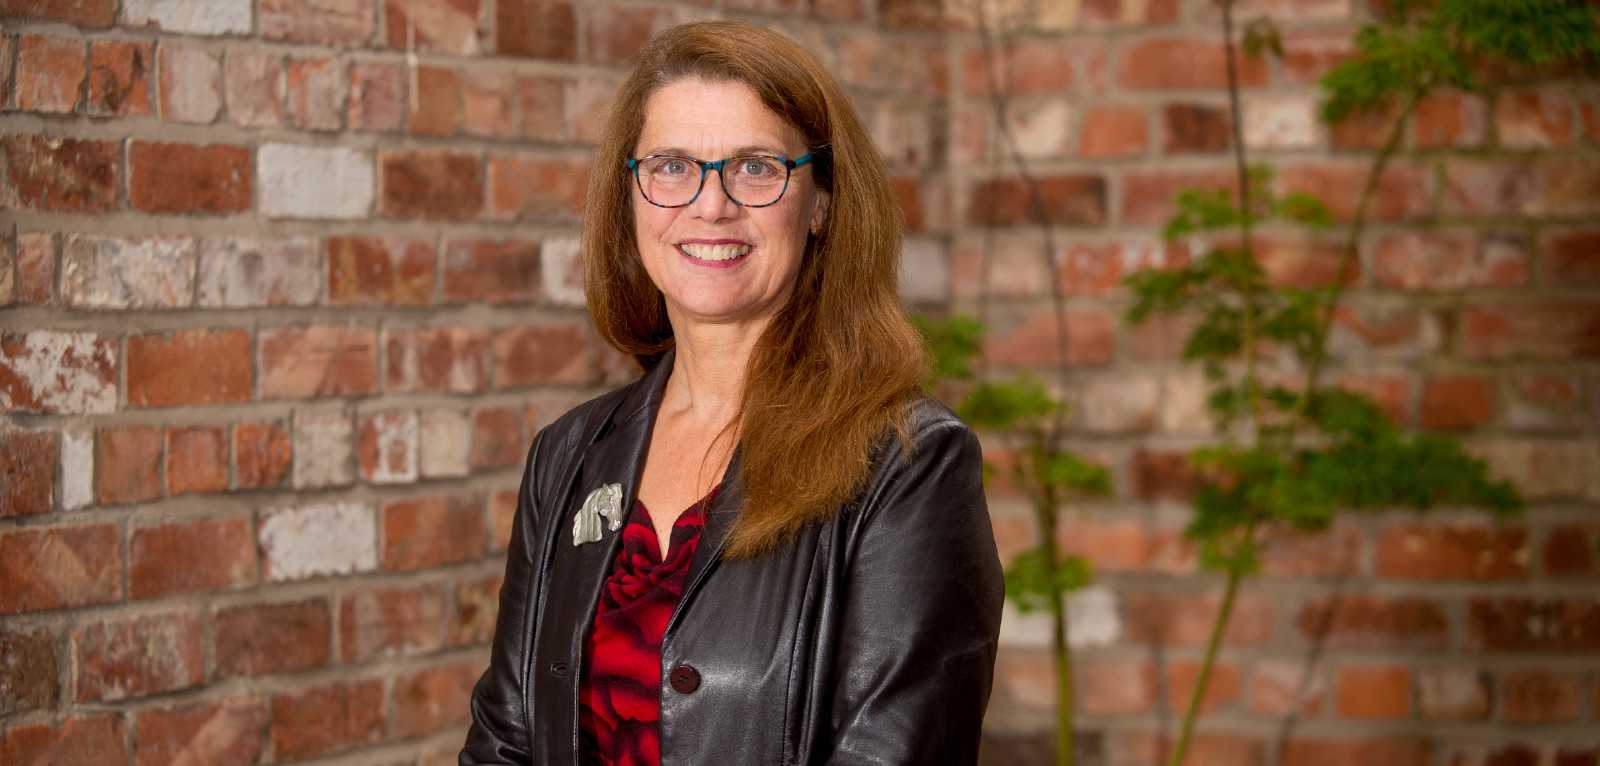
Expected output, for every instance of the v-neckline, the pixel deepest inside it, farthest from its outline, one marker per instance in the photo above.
(657, 554)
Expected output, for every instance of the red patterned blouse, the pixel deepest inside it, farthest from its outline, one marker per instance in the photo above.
(621, 693)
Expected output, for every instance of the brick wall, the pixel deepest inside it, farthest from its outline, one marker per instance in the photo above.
(288, 286)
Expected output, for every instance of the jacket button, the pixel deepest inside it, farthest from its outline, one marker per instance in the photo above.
(685, 679)
(558, 668)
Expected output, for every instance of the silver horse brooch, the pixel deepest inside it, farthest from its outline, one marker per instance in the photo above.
(603, 502)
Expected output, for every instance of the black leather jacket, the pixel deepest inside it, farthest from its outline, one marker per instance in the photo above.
(870, 639)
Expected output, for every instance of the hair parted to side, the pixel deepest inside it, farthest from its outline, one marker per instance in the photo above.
(830, 375)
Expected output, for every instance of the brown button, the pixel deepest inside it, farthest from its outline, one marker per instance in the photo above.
(685, 679)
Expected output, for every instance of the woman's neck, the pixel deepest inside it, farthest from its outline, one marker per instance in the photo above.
(708, 369)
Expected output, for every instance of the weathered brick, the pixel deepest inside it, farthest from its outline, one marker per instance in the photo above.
(132, 657)
(1303, 260)
(119, 77)
(431, 184)
(94, 14)
(1281, 123)
(502, 517)
(545, 354)
(262, 639)
(1027, 68)
(319, 539)
(1373, 691)
(27, 472)
(1458, 401)
(1170, 63)
(1550, 330)
(1538, 695)
(1374, 623)
(1223, 688)
(497, 440)
(29, 669)
(1523, 624)
(377, 96)
(1528, 118)
(116, 273)
(323, 448)
(1452, 694)
(545, 29)
(1401, 192)
(191, 557)
(382, 622)
(1572, 550)
(214, 17)
(445, 436)
(1172, 619)
(1196, 128)
(262, 454)
(1119, 404)
(386, 447)
(1449, 119)
(439, 360)
(326, 719)
(433, 531)
(197, 460)
(1542, 468)
(60, 567)
(1391, 392)
(1076, 199)
(63, 175)
(1333, 552)
(447, 27)
(433, 699)
(477, 603)
(241, 272)
(562, 270)
(1449, 261)
(226, 732)
(1280, 688)
(191, 83)
(314, 181)
(530, 188)
(1147, 195)
(253, 88)
(128, 464)
(1394, 751)
(316, 93)
(1035, 340)
(497, 271)
(542, 108)
(84, 738)
(330, 22)
(1114, 130)
(1570, 257)
(380, 270)
(77, 467)
(619, 32)
(1432, 552)
(436, 108)
(189, 367)
(318, 361)
(49, 73)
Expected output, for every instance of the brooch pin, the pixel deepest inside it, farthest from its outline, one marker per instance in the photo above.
(603, 502)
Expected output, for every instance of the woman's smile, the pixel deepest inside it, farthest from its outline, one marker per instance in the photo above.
(715, 253)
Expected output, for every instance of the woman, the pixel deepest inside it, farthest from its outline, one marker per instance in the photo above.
(771, 548)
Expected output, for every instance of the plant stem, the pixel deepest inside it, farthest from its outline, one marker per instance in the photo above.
(1065, 747)
(1235, 576)
(1242, 169)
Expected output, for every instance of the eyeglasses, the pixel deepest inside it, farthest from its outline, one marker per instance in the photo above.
(753, 180)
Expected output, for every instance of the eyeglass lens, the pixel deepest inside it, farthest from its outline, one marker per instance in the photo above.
(751, 181)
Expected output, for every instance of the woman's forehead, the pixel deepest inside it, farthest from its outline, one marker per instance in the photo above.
(720, 117)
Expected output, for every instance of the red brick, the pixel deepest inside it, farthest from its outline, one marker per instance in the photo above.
(1334, 552)
(128, 464)
(1447, 261)
(254, 85)
(1361, 622)
(1036, 339)
(386, 447)
(1078, 199)
(189, 367)
(227, 732)
(1115, 545)
(1572, 550)
(502, 517)
(1432, 552)
(1308, 54)
(1401, 193)
(191, 557)
(489, 103)
(119, 77)
(377, 96)
(546, 29)
(262, 639)
(182, 178)
(553, 353)
(1147, 195)
(1205, 749)
(326, 719)
(619, 32)
(36, 267)
(1535, 117)
(436, 360)
(1304, 261)
(1382, 326)
(542, 105)
(1173, 619)
(477, 604)
(1536, 695)
(1183, 63)
(1115, 686)
(1354, 752)
(1449, 120)
(49, 72)
(1515, 754)
(528, 188)
(331, 22)
(1114, 131)
(497, 440)
(380, 270)
(134, 657)
(316, 90)
(450, 26)
(191, 83)
(1392, 393)
(1568, 257)
(1364, 130)
(433, 531)
(1373, 692)
(431, 184)
(1160, 474)
(262, 454)
(500, 271)
(1196, 128)
(29, 670)
(437, 110)
(62, 175)
(318, 361)
(1550, 330)
(87, 738)
(27, 472)
(382, 622)
(1519, 624)
(1222, 688)
(197, 460)
(60, 567)
(1284, 688)
(433, 699)
(1458, 401)
(1025, 68)
(93, 14)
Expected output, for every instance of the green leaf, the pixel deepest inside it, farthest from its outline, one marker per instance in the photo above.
(1004, 405)
(1072, 473)
(1261, 35)
(1031, 582)
(954, 342)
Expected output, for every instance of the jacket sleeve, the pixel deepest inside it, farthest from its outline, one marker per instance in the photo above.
(922, 621)
(499, 730)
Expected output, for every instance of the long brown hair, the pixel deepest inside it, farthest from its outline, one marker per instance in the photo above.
(831, 374)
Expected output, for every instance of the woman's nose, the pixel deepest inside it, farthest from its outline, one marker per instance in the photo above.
(713, 204)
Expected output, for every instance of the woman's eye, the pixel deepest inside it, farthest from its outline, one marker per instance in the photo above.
(674, 167)
(757, 168)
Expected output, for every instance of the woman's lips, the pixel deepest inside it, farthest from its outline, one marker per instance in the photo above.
(716, 255)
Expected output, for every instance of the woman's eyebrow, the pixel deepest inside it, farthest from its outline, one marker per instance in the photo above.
(739, 152)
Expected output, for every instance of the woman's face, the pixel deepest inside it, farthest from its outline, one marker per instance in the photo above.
(715, 261)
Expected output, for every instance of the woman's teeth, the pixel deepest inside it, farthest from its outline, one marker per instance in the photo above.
(715, 252)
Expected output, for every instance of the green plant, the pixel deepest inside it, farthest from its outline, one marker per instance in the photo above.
(1296, 454)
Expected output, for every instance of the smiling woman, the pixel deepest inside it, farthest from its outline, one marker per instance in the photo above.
(773, 520)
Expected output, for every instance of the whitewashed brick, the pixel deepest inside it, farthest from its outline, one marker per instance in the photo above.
(196, 17)
(1120, 403)
(1092, 621)
(241, 272)
(324, 449)
(388, 447)
(73, 373)
(1281, 122)
(1041, 128)
(320, 539)
(314, 181)
(446, 442)
(562, 269)
(1183, 404)
(115, 273)
(77, 468)
(924, 271)
(191, 84)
